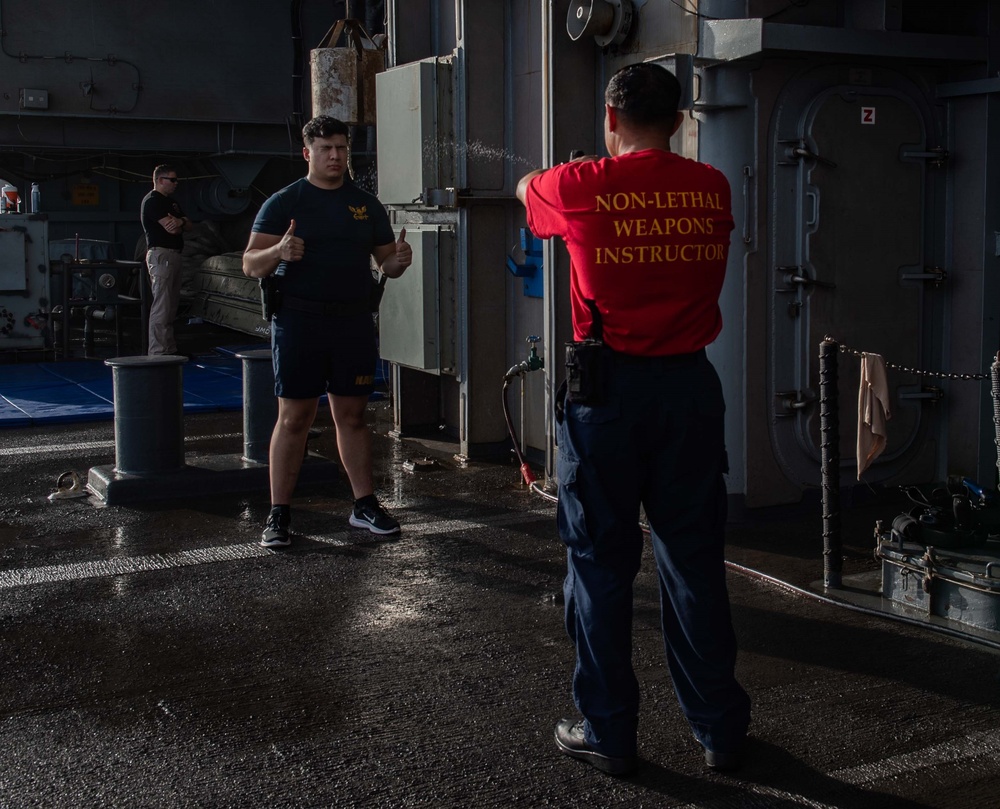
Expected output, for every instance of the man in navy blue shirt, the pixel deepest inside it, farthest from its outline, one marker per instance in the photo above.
(317, 237)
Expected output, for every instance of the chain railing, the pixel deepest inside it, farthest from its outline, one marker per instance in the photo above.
(830, 441)
(914, 371)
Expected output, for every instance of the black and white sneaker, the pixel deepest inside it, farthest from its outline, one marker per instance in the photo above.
(372, 516)
(276, 530)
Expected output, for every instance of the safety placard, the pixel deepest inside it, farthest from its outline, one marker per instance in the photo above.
(85, 194)
(868, 115)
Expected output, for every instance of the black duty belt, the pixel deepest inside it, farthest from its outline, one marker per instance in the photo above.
(328, 308)
(663, 361)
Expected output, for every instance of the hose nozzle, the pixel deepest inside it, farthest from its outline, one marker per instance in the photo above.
(517, 370)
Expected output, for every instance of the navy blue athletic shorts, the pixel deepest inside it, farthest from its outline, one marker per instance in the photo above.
(317, 354)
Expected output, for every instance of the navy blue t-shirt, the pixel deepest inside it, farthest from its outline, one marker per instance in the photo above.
(340, 228)
(154, 207)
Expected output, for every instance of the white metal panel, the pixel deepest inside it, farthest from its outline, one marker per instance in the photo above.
(13, 267)
(412, 156)
(409, 317)
(24, 281)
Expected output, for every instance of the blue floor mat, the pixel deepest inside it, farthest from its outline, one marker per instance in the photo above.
(83, 390)
(64, 392)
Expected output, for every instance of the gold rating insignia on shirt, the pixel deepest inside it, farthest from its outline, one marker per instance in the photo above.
(361, 212)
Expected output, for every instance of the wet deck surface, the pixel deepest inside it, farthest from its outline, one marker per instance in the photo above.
(154, 655)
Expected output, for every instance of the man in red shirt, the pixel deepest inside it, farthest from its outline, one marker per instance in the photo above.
(641, 422)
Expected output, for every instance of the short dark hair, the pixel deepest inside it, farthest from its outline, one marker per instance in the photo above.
(323, 126)
(644, 94)
(162, 170)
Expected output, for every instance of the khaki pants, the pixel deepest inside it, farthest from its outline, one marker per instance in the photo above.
(165, 282)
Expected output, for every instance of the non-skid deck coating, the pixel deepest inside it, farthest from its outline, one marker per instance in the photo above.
(156, 656)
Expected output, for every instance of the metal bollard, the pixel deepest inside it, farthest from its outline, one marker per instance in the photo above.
(260, 405)
(149, 413)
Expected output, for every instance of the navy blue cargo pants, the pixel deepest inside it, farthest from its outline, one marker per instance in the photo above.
(658, 439)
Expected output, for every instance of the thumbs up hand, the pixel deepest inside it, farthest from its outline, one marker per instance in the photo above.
(291, 247)
(404, 253)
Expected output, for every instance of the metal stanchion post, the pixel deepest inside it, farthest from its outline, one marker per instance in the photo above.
(829, 428)
(995, 384)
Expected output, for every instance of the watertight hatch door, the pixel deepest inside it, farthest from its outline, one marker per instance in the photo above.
(858, 198)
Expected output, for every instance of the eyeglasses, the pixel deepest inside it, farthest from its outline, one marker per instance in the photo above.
(170, 179)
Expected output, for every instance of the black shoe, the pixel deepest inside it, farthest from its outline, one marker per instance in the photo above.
(275, 533)
(571, 741)
(374, 518)
(724, 761)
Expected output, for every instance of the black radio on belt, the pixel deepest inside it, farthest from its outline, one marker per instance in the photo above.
(587, 364)
(586, 371)
(270, 296)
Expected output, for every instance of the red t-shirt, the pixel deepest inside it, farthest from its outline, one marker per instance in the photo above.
(648, 238)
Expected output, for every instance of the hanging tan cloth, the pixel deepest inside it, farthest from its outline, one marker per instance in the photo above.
(873, 410)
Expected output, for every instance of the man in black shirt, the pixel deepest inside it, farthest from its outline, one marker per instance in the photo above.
(318, 236)
(164, 222)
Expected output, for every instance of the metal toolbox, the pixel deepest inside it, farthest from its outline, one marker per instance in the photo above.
(961, 586)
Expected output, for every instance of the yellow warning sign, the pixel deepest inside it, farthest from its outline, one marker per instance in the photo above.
(85, 194)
